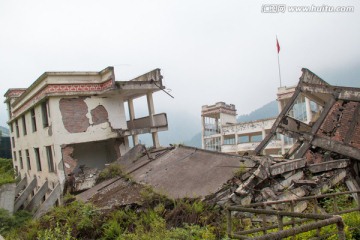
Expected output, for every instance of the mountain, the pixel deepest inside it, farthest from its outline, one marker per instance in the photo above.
(269, 110)
(4, 131)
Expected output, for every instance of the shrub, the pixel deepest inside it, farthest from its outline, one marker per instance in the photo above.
(7, 174)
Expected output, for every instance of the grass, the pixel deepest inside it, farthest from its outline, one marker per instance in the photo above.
(7, 174)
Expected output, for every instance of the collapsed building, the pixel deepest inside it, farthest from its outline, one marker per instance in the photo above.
(73, 124)
(325, 151)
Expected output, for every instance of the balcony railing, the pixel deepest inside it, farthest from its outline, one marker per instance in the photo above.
(249, 146)
(146, 123)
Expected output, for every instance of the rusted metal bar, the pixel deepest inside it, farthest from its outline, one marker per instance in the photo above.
(264, 222)
(229, 227)
(280, 222)
(318, 230)
(301, 199)
(274, 212)
(292, 218)
(305, 228)
(336, 209)
(271, 227)
(340, 226)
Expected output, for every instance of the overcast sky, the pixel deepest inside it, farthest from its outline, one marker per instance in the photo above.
(208, 51)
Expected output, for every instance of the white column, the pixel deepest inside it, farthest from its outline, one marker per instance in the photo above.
(202, 132)
(132, 117)
(151, 109)
(308, 110)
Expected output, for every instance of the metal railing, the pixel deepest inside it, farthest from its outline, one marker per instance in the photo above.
(298, 226)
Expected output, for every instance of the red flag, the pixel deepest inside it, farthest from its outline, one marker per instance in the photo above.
(277, 45)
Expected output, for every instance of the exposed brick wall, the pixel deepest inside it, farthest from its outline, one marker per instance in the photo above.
(99, 115)
(73, 112)
(337, 123)
(69, 162)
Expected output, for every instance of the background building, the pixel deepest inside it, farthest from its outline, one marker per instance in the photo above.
(221, 131)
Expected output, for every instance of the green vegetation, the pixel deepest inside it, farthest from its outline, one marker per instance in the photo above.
(7, 174)
(111, 171)
(157, 218)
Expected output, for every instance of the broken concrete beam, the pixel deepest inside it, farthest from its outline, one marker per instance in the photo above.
(268, 194)
(325, 186)
(25, 194)
(353, 186)
(280, 168)
(259, 175)
(299, 183)
(293, 194)
(287, 182)
(49, 201)
(36, 200)
(288, 174)
(21, 185)
(326, 166)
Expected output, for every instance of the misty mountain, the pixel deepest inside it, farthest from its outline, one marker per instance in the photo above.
(269, 110)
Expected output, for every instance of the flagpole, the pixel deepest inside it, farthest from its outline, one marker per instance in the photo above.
(278, 50)
(279, 69)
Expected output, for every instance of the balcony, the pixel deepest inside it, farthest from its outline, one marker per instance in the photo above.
(249, 146)
(146, 125)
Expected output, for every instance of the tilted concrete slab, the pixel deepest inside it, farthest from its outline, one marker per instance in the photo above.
(25, 194)
(49, 201)
(36, 200)
(287, 166)
(329, 165)
(183, 171)
(287, 182)
(21, 185)
(325, 186)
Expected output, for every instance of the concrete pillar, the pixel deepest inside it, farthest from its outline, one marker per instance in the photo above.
(151, 109)
(263, 133)
(202, 132)
(132, 117)
(282, 144)
(308, 110)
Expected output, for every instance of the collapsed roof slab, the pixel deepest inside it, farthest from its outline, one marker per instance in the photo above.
(182, 171)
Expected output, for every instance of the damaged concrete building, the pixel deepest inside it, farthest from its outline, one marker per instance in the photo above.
(75, 123)
(221, 132)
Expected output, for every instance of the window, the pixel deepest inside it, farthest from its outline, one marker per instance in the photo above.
(45, 116)
(33, 120)
(37, 158)
(13, 141)
(243, 139)
(11, 127)
(50, 158)
(17, 128)
(28, 159)
(21, 161)
(24, 125)
(256, 138)
(14, 156)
